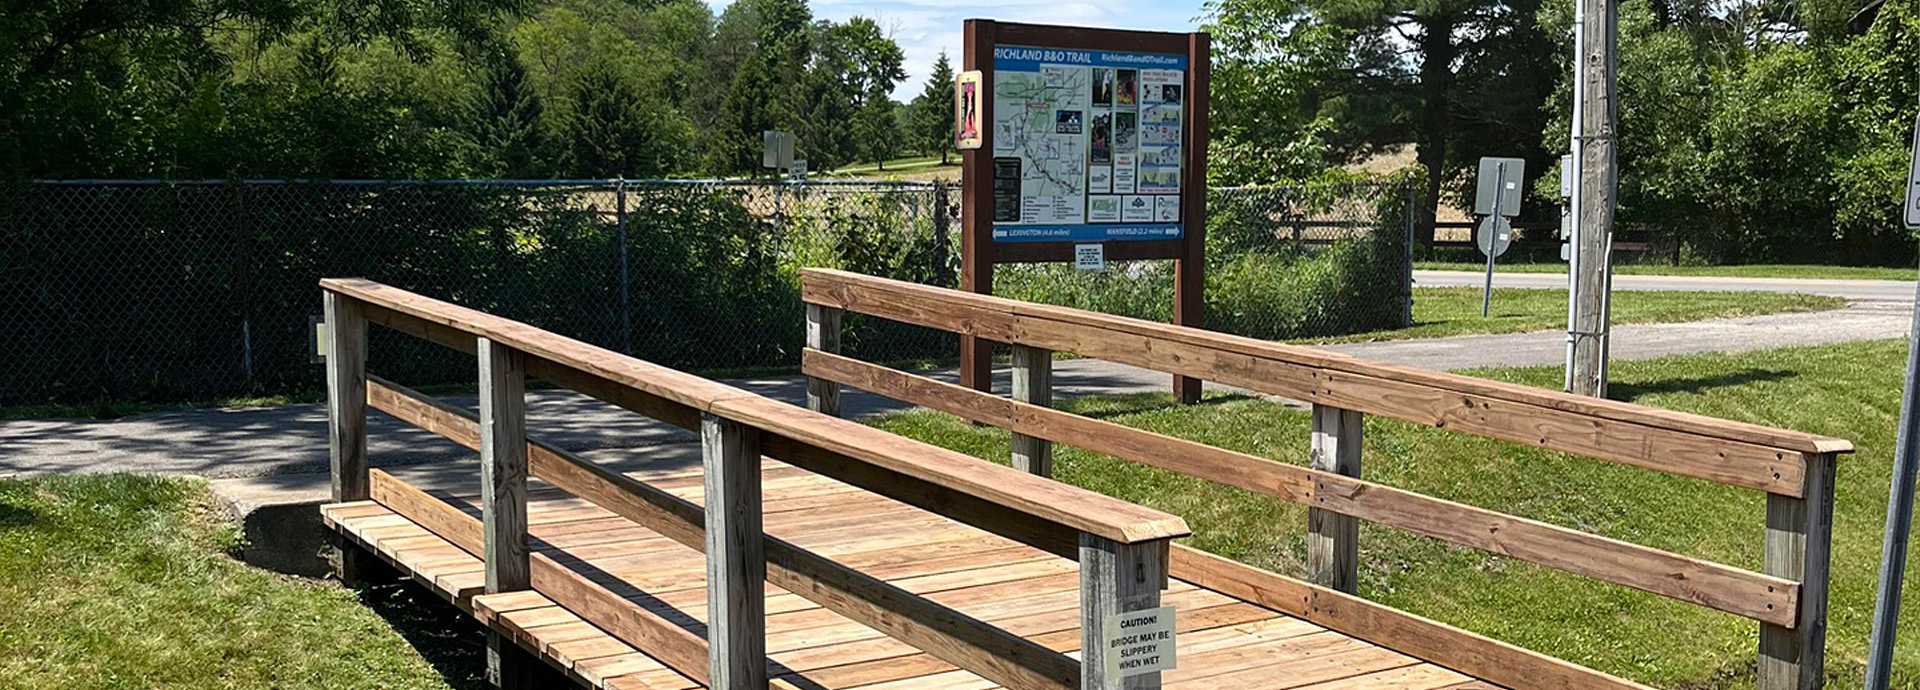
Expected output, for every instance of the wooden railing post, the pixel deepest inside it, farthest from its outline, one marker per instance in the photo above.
(1033, 383)
(1333, 539)
(736, 560)
(503, 499)
(346, 396)
(823, 333)
(1799, 544)
(1116, 578)
(346, 353)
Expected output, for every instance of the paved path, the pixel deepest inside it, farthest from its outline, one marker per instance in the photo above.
(290, 440)
(1868, 290)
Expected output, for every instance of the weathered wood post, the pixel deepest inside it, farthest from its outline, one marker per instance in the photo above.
(503, 499)
(1033, 383)
(1333, 540)
(346, 353)
(346, 396)
(1116, 578)
(736, 563)
(823, 334)
(1799, 544)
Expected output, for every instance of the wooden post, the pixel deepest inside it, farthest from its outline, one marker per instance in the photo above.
(1189, 271)
(1333, 539)
(1033, 383)
(976, 208)
(503, 499)
(1116, 578)
(823, 333)
(346, 352)
(347, 396)
(1799, 544)
(1598, 157)
(736, 564)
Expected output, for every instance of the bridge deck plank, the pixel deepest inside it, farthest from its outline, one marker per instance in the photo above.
(1223, 641)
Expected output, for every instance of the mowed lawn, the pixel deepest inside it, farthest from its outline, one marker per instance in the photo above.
(1851, 391)
(123, 582)
(1441, 312)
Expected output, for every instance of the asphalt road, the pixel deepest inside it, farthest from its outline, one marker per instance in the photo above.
(1865, 290)
(290, 441)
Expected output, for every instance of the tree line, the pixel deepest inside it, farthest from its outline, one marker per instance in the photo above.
(444, 88)
(1750, 130)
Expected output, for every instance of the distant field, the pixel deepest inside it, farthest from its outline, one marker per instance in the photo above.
(1750, 271)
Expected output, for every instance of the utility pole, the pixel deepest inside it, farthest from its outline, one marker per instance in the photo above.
(1597, 156)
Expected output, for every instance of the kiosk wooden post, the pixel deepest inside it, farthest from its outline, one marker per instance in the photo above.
(1180, 237)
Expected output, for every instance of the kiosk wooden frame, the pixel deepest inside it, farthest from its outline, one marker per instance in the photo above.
(979, 251)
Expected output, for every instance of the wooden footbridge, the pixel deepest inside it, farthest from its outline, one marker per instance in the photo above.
(811, 552)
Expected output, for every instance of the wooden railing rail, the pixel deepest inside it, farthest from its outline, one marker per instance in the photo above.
(1122, 547)
(1795, 470)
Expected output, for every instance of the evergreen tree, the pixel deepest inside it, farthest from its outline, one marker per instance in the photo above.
(932, 111)
(618, 130)
(507, 119)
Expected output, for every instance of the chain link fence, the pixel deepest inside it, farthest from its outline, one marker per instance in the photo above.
(169, 291)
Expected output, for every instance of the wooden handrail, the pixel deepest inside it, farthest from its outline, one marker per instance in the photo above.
(1733, 590)
(1071, 508)
(1796, 470)
(1735, 453)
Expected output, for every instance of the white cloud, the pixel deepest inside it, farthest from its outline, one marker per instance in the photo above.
(923, 28)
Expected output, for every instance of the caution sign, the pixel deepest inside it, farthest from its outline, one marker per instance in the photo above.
(1140, 642)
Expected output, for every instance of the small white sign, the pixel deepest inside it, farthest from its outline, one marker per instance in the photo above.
(1140, 642)
(1090, 257)
(1912, 215)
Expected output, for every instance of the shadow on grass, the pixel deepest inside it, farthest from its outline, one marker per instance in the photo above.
(1634, 391)
(450, 641)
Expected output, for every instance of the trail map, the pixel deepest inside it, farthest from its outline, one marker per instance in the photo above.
(1086, 144)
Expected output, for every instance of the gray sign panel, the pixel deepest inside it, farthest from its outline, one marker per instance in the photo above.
(1494, 235)
(1912, 214)
(1500, 180)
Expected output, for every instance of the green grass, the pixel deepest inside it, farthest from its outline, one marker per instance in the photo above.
(1440, 312)
(120, 581)
(1851, 391)
(1753, 271)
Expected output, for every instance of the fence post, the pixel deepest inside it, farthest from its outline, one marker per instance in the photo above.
(823, 334)
(626, 283)
(736, 564)
(1333, 540)
(503, 499)
(1798, 544)
(942, 242)
(1406, 317)
(1033, 383)
(1115, 578)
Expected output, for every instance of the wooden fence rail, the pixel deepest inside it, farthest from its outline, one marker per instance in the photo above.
(1788, 598)
(1122, 548)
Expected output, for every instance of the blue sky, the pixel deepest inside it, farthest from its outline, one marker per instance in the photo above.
(925, 27)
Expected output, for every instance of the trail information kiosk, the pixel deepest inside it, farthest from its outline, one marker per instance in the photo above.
(1082, 136)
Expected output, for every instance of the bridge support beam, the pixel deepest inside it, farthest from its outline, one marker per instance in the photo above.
(503, 501)
(736, 558)
(1033, 383)
(1116, 578)
(823, 334)
(1799, 541)
(1333, 540)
